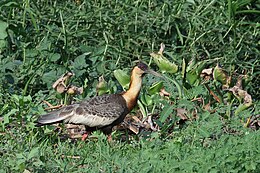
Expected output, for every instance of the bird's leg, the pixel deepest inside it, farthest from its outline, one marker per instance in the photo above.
(85, 133)
(109, 137)
(50, 106)
(84, 136)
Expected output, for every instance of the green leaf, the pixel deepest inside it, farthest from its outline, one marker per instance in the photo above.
(102, 86)
(164, 64)
(31, 53)
(122, 77)
(155, 88)
(220, 75)
(34, 152)
(167, 110)
(3, 33)
(2, 44)
(142, 108)
(55, 57)
(7, 116)
(80, 62)
(191, 77)
(50, 77)
(146, 99)
(194, 70)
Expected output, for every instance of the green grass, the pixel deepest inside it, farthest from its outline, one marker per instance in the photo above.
(226, 153)
(41, 40)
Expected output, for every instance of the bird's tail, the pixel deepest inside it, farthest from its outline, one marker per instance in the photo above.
(55, 116)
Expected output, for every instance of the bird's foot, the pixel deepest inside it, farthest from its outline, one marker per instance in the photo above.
(84, 136)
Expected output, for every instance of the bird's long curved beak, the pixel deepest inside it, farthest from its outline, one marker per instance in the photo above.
(150, 71)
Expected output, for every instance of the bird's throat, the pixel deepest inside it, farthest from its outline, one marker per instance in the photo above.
(132, 93)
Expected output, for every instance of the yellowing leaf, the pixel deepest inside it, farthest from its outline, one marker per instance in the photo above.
(102, 86)
(220, 75)
(163, 63)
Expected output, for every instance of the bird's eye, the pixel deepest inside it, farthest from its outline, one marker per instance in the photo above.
(142, 66)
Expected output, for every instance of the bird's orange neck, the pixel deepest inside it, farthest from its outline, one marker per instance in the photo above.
(135, 86)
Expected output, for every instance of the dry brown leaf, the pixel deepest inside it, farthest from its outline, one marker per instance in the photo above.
(59, 85)
(181, 112)
(134, 129)
(241, 94)
(74, 90)
(26, 171)
(149, 120)
(164, 93)
(207, 72)
(207, 107)
(136, 119)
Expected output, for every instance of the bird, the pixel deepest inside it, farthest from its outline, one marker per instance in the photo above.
(101, 112)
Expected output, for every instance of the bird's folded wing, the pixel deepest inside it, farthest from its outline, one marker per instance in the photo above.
(96, 115)
(95, 112)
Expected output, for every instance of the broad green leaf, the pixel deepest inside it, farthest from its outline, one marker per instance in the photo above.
(50, 77)
(122, 77)
(55, 57)
(80, 62)
(193, 71)
(155, 88)
(27, 98)
(242, 107)
(10, 113)
(31, 53)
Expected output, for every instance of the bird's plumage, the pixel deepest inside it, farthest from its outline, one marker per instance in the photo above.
(98, 112)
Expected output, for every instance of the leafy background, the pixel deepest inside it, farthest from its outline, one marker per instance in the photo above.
(41, 40)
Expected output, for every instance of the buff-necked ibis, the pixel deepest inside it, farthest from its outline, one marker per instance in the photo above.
(101, 112)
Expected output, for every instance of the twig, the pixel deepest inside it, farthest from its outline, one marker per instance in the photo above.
(213, 94)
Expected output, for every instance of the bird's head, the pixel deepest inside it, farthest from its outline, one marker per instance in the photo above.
(141, 68)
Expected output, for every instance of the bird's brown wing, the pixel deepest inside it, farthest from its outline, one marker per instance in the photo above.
(96, 112)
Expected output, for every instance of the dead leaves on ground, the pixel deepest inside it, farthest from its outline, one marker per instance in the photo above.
(220, 75)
